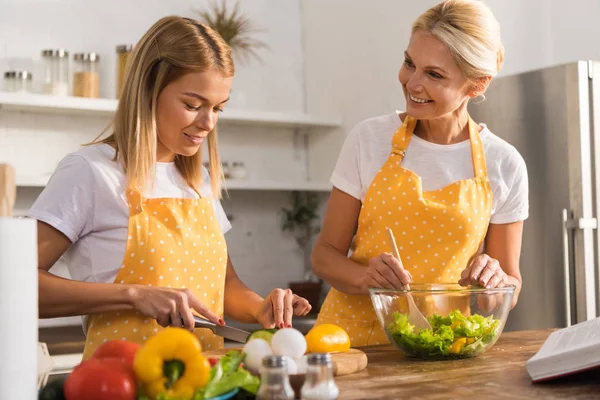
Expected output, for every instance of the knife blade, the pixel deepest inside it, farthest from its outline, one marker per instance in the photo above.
(228, 332)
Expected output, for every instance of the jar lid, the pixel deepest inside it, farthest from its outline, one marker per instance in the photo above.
(88, 57)
(273, 361)
(319, 359)
(124, 48)
(58, 53)
(21, 75)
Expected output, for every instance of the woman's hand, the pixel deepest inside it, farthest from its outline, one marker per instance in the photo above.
(386, 272)
(170, 307)
(279, 307)
(484, 271)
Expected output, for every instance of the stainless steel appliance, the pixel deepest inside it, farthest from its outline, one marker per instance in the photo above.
(552, 116)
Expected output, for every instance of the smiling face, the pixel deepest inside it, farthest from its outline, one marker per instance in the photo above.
(187, 111)
(432, 82)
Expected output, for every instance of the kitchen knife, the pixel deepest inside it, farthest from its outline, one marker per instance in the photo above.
(237, 335)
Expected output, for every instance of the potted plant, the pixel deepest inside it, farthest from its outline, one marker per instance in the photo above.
(302, 221)
(235, 28)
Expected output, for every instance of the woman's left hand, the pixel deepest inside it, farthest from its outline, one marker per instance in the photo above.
(279, 307)
(484, 271)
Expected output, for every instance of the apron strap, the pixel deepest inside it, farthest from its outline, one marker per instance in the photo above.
(477, 152)
(134, 200)
(401, 138)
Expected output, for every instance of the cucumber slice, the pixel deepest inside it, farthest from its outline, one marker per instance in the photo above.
(265, 334)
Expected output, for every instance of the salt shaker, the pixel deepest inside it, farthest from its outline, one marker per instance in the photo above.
(319, 383)
(274, 380)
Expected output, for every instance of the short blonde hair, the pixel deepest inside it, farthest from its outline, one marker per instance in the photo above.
(172, 47)
(470, 31)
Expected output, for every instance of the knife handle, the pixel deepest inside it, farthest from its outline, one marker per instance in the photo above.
(203, 323)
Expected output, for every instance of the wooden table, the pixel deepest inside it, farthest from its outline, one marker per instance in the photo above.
(498, 373)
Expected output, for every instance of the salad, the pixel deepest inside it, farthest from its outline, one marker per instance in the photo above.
(454, 336)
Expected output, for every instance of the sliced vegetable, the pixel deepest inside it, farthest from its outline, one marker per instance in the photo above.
(265, 334)
(213, 361)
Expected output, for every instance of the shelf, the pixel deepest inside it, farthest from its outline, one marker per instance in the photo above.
(59, 322)
(31, 181)
(274, 186)
(39, 103)
(231, 185)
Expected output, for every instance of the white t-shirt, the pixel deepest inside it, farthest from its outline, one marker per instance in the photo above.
(85, 200)
(369, 144)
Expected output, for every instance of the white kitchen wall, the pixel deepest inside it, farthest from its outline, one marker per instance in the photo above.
(28, 26)
(264, 257)
(540, 33)
(353, 54)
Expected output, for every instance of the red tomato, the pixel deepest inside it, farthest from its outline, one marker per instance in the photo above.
(122, 349)
(101, 379)
(213, 361)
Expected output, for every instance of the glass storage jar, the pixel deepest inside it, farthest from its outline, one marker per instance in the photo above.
(17, 81)
(56, 72)
(86, 80)
(123, 52)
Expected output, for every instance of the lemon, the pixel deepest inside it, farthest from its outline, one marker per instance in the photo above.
(327, 338)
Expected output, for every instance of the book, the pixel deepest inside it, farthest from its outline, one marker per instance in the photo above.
(567, 351)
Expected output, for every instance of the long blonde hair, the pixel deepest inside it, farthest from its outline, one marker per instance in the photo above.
(172, 47)
(470, 31)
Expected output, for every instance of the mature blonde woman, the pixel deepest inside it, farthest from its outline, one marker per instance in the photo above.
(444, 184)
(138, 216)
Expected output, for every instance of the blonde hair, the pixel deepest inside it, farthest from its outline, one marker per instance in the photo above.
(172, 47)
(470, 31)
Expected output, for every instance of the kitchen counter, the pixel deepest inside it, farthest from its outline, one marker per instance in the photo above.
(498, 373)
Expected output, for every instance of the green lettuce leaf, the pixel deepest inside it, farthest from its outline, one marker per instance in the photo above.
(472, 334)
(229, 375)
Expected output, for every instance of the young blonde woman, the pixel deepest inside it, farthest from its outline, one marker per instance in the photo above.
(444, 184)
(138, 217)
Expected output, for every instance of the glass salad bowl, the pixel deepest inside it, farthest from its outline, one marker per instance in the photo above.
(442, 321)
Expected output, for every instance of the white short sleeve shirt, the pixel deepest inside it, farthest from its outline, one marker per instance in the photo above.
(368, 146)
(85, 200)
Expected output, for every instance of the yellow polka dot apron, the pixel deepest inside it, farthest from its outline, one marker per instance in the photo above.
(437, 232)
(171, 242)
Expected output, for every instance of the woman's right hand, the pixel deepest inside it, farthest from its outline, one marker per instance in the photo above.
(387, 272)
(170, 307)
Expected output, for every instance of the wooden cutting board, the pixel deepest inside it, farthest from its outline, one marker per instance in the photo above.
(8, 190)
(346, 363)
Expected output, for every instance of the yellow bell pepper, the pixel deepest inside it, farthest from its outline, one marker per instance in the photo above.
(457, 345)
(171, 362)
(456, 324)
(327, 338)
